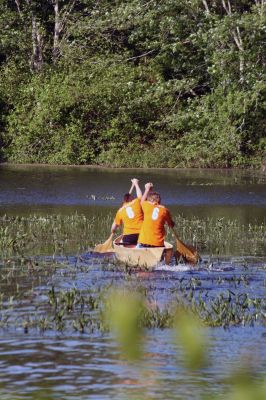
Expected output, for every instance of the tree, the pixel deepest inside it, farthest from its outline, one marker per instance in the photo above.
(95, 81)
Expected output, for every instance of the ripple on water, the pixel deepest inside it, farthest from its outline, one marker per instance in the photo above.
(91, 366)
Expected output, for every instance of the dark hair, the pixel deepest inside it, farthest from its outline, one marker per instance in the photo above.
(127, 197)
(154, 196)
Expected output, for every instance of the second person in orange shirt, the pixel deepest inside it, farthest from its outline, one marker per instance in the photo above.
(152, 232)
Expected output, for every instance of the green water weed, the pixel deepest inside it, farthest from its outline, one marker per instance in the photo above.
(59, 234)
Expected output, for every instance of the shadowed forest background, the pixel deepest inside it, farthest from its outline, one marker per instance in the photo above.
(159, 83)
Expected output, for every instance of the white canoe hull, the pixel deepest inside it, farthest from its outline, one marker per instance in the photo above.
(144, 257)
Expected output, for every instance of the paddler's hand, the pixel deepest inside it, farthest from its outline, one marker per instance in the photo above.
(135, 181)
(148, 186)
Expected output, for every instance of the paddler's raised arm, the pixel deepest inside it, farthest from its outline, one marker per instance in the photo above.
(148, 187)
(135, 182)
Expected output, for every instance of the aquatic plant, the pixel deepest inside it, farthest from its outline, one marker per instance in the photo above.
(54, 234)
(219, 236)
(62, 235)
(33, 294)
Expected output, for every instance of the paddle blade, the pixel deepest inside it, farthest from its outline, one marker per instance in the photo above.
(106, 246)
(187, 252)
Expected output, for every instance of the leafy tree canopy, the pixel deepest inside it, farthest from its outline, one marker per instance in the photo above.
(133, 82)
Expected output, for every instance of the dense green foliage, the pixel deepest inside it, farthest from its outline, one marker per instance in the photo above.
(133, 82)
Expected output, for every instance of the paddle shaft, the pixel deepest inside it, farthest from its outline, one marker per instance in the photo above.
(187, 251)
(107, 245)
(177, 238)
(175, 234)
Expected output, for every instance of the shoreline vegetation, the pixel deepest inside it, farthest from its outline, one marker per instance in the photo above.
(173, 84)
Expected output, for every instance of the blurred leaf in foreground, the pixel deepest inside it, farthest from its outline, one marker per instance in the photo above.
(123, 314)
(246, 385)
(190, 334)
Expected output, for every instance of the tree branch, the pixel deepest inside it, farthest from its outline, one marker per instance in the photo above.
(18, 8)
(227, 7)
(206, 6)
(67, 12)
(60, 17)
(142, 55)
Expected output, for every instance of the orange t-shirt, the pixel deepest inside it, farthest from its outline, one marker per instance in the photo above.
(155, 216)
(131, 216)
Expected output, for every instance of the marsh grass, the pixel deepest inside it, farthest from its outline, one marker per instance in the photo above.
(219, 236)
(28, 299)
(52, 234)
(48, 287)
(58, 234)
(33, 301)
(36, 250)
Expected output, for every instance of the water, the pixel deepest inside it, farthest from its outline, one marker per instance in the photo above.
(75, 367)
(71, 365)
(217, 193)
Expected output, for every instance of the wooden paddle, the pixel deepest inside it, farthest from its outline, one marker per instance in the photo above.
(189, 253)
(108, 244)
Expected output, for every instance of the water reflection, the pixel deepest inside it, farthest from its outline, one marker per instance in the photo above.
(218, 193)
(92, 367)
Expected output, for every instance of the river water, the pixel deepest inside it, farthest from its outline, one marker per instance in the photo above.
(69, 365)
(220, 193)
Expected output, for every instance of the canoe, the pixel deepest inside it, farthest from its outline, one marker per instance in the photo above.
(144, 257)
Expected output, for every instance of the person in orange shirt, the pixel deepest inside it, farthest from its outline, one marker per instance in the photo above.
(130, 215)
(152, 231)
